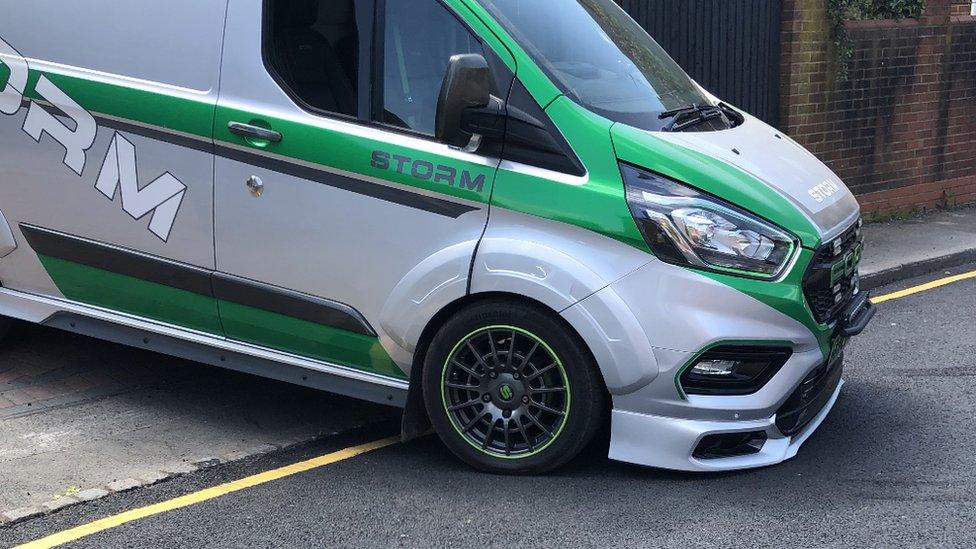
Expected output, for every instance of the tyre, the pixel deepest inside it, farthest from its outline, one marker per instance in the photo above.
(5, 325)
(510, 388)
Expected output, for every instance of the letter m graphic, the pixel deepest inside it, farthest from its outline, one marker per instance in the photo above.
(162, 197)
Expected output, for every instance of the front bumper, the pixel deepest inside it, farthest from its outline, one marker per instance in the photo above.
(783, 414)
(676, 442)
(669, 443)
(679, 312)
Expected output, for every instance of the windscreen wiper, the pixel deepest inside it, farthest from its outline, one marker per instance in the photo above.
(692, 115)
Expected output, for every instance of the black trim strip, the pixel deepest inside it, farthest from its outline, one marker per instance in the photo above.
(290, 303)
(389, 194)
(197, 280)
(124, 262)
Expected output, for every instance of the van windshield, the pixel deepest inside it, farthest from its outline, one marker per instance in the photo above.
(600, 58)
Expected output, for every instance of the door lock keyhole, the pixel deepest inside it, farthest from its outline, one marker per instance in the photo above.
(255, 186)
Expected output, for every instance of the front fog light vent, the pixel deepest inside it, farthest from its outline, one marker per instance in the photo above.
(729, 445)
(733, 370)
(715, 368)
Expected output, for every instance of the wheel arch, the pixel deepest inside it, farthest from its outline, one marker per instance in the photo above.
(415, 419)
(568, 271)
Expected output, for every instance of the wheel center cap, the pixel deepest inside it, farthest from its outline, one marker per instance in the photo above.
(505, 392)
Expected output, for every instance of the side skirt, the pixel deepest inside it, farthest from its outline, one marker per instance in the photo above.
(201, 347)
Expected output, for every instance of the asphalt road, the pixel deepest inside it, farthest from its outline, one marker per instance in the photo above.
(893, 465)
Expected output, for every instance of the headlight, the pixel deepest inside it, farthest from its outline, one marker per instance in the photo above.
(685, 226)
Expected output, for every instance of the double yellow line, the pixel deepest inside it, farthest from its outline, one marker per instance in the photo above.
(114, 521)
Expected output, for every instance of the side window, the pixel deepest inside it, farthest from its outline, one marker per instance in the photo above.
(314, 48)
(419, 38)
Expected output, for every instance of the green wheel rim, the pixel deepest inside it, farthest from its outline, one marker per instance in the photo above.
(505, 392)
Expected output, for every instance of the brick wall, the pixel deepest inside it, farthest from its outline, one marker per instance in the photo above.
(962, 7)
(901, 130)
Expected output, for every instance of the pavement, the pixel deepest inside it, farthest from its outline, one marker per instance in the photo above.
(892, 466)
(896, 250)
(81, 419)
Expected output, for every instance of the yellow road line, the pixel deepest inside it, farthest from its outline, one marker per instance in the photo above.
(923, 287)
(203, 495)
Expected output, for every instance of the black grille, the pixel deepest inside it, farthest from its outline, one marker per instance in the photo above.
(830, 282)
(809, 398)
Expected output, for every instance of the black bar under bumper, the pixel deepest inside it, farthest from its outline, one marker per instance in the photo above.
(857, 315)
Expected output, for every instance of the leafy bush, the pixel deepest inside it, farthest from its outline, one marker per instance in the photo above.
(878, 9)
(840, 11)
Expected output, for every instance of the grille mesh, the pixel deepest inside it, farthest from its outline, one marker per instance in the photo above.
(827, 299)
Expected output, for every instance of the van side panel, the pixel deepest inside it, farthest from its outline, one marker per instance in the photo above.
(349, 212)
(110, 142)
(176, 42)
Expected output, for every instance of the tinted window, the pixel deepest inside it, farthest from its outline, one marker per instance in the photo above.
(419, 39)
(315, 51)
(600, 58)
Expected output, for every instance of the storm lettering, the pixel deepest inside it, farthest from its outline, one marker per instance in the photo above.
(478, 184)
(824, 190)
(40, 121)
(162, 196)
(381, 160)
(56, 114)
(424, 170)
(446, 175)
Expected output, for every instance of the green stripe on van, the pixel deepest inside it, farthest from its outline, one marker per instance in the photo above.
(786, 296)
(133, 295)
(153, 301)
(303, 142)
(165, 111)
(300, 337)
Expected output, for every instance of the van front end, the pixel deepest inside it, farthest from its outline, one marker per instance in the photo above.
(716, 295)
(708, 262)
(744, 371)
(746, 310)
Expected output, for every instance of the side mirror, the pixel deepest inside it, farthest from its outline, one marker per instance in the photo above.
(466, 85)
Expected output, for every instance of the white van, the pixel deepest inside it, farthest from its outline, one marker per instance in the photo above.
(518, 220)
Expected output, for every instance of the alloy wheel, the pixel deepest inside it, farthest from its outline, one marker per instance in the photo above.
(506, 392)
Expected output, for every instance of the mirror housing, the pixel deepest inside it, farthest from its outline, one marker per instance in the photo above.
(467, 85)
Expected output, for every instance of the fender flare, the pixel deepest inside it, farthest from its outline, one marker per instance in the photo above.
(565, 267)
(434, 284)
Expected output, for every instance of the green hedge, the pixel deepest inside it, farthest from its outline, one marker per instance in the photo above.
(876, 9)
(840, 11)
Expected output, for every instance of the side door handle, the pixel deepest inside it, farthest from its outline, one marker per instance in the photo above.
(249, 131)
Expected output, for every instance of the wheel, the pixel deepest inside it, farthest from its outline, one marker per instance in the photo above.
(511, 389)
